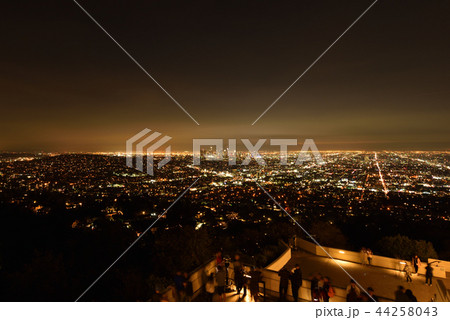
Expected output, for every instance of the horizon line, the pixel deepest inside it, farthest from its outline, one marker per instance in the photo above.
(190, 152)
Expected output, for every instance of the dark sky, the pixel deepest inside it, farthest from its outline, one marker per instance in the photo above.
(65, 86)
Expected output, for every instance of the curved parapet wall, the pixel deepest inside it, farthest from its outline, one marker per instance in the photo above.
(377, 261)
(280, 262)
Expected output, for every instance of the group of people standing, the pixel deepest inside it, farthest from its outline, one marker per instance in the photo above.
(367, 257)
(183, 287)
(218, 281)
(354, 293)
(321, 288)
(295, 276)
(254, 277)
(416, 263)
(404, 295)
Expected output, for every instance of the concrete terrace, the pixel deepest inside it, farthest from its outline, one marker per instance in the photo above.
(384, 281)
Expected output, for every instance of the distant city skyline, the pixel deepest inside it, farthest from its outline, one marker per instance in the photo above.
(67, 87)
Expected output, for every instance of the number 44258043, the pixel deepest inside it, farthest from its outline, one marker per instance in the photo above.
(407, 311)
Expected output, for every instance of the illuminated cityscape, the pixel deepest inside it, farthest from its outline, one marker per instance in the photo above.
(354, 200)
(225, 151)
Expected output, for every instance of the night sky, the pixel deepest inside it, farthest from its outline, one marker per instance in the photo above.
(66, 86)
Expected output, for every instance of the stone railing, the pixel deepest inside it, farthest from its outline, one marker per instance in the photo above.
(272, 281)
(198, 279)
